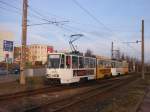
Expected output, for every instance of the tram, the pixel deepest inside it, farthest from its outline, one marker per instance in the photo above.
(67, 68)
(103, 68)
(119, 67)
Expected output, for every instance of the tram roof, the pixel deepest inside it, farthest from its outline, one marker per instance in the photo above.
(73, 54)
(102, 57)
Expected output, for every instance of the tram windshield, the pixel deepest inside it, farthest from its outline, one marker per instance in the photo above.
(53, 61)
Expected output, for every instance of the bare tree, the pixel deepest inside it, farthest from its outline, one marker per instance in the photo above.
(89, 53)
(122, 56)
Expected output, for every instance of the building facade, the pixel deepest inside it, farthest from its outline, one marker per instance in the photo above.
(17, 54)
(39, 52)
(34, 53)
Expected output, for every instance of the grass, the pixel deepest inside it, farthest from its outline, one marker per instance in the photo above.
(126, 100)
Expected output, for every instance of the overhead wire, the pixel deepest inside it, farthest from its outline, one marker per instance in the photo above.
(65, 27)
(94, 18)
(44, 18)
(16, 9)
(8, 10)
(38, 15)
(91, 15)
(5, 3)
(71, 21)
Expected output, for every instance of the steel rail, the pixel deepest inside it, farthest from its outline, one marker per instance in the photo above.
(64, 103)
(57, 88)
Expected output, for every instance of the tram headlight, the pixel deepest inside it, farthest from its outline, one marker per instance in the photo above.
(55, 75)
(48, 75)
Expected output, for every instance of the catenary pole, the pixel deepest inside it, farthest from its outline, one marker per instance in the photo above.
(142, 50)
(23, 47)
(112, 50)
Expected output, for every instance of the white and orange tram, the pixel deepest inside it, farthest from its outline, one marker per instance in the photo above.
(119, 67)
(65, 68)
(70, 68)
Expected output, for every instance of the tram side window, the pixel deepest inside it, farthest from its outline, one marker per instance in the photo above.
(120, 64)
(125, 64)
(81, 62)
(104, 64)
(117, 64)
(86, 62)
(100, 63)
(74, 62)
(113, 64)
(92, 63)
(62, 61)
(108, 64)
(68, 61)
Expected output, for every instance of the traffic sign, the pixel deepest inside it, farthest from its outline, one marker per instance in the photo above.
(7, 45)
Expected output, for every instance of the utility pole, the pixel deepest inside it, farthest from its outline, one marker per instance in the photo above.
(142, 50)
(115, 53)
(23, 47)
(112, 49)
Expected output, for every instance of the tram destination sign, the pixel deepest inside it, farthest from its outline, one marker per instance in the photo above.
(8, 45)
(54, 56)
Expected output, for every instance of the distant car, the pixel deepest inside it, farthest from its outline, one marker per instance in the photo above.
(15, 71)
(3, 71)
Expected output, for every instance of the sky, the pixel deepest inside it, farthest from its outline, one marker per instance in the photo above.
(115, 20)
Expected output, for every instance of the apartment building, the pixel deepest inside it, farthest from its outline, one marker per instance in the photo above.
(38, 52)
(17, 54)
(34, 53)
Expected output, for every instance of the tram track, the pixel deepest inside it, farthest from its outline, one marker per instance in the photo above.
(48, 89)
(67, 102)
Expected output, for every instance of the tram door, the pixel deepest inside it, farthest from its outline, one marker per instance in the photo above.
(68, 62)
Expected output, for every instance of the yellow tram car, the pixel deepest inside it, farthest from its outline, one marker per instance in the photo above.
(103, 68)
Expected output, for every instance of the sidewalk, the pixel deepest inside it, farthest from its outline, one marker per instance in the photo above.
(145, 105)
